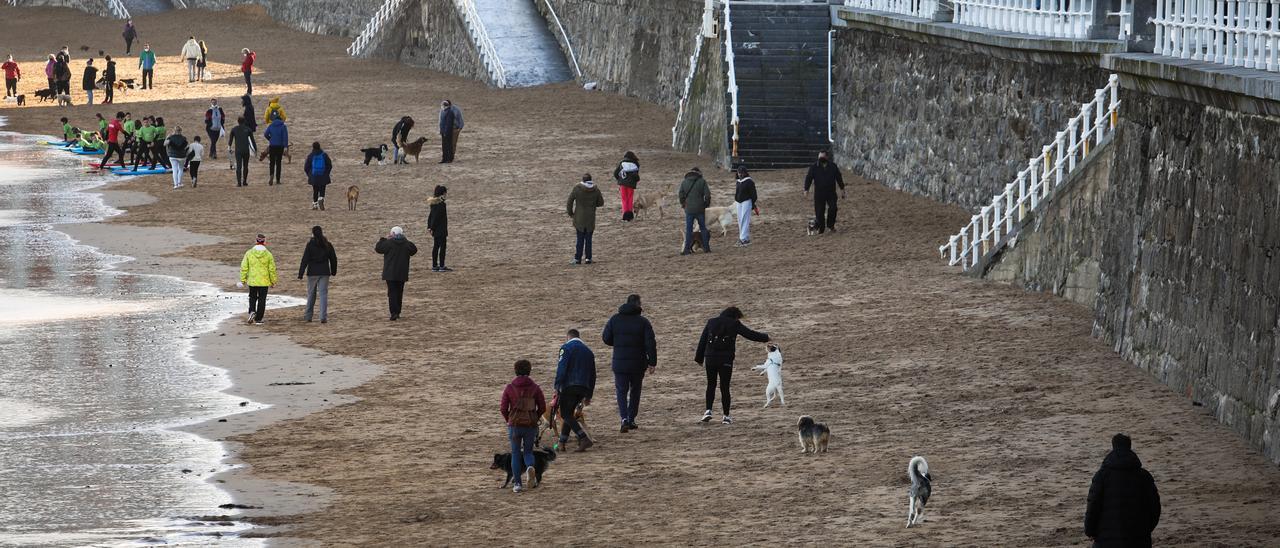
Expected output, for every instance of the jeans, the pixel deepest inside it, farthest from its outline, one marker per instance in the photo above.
(274, 156)
(824, 212)
(176, 164)
(191, 70)
(570, 397)
(257, 302)
(723, 370)
(439, 245)
(744, 220)
(242, 168)
(395, 297)
(628, 386)
(148, 78)
(584, 241)
(317, 286)
(89, 94)
(522, 439)
(701, 218)
(248, 83)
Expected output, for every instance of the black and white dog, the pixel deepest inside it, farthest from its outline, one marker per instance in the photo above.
(918, 493)
(373, 153)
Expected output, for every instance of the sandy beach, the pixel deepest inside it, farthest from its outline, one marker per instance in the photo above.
(1005, 392)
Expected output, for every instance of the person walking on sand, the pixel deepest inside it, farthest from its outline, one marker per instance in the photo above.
(250, 117)
(191, 54)
(130, 34)
(395, 250)
(241, 140)
(147, 63)
(109, 78)
(195, 155)
(522, 404)
(824, 176)
(203, 62)
(627, 174)
(716, 350)
(89, 81)
(748, 202)
(1124, 505)
(12, 73)
(177, 148)
(400, 136)
(695, 198)
(215, 125)
(248, 58)
(277, 135)
(258, 271)
(584, 199)
(575, 384)
(318, 166)
(114, 130)
(448, 123)
(438, 228)
(635, 352)
(319, 263)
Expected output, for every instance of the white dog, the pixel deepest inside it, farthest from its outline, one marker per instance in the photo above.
(773, 367)
(721, 216)
(918, 493)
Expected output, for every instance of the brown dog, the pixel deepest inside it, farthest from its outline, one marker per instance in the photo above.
(552, 418)
(414, 148)
(353, 197)
(287, 157)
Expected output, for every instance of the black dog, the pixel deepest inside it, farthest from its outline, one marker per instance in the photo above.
(372, 153)
(46, 95)
(22, 100)
(541, 458)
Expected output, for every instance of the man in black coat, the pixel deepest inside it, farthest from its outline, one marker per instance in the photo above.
(824, 176)
(635, 352)
(1124, 506)
(395, 250)
(717, 347)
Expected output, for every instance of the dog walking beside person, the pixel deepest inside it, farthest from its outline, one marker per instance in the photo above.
(318, 167)
(748, 202)
(109, 80)
(522, 403)
(717, 348)
(396, 251)
(258, 271)
(695, 198)
(12, 73)
(627, 174)
(635, 353)
(575, 384)
(584, 199)
(319, 263)
(1124, 505)
(438, 228)
(824, 176)
(176, 147)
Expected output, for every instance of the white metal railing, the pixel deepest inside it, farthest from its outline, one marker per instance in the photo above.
(179, 4)
(1243, 33)
(924, 9)
(1051, 18)
(831, 39)
(1125, 15)
(989, 230)
(573, 57)
(117, 9)
(733, 78)
(688, 83)
(386, 13)
(488, 53)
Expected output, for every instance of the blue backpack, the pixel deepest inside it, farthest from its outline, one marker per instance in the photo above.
(317, 165)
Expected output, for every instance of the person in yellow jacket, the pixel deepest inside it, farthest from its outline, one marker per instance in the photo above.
(258, 271)
(274, 108)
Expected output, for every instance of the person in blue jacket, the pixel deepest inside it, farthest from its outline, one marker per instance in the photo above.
(575, 383)
(635, 352)
(317, 167)
(277, 135)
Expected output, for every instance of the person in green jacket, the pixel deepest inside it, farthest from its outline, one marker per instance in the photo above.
(147, 62)
(142, 145)
(69, 132)
(258, 271)
(695, 197)
(158, 134)
(90, 140)
(584, 199)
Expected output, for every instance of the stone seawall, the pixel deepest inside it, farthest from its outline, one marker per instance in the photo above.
(433, 35)
(96, 7)
(332, 17)
(702, 126)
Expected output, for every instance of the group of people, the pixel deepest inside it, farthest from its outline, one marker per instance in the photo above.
(451, 124)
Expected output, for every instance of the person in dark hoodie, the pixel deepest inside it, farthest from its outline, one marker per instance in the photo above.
(824, 176)
(522, 404)
(395, 250)
(716, 350)
(1124, 506)
(319, 263)
(240, 141)
(109, 78)
(635, 352)
(584, 199)
(250, 117)
(575, 384)
(627, 174)
(438, 228)
(744, 194)
(318, 166)
(695, 197)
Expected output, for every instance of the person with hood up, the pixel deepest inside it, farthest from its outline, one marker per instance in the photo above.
(130, 34)
(319, 263)
(318, 166)
(191, 54)
(215, 125)
(109, 78)
(177, 148)
(12, 73)
(438, 228)
(89, 81)
(584, 199)
(400, 136)
(1124, 505)
(635, 352)
(695, 198)
(627, 174)
(744, 194)
(246, 68)
(147, 62)
(522, 404)
(575, 384)
(258, 271)
(277, 135)
(62, 72)
(717, 348)
(395, 250)
(824, 176)
(274, 110)
(250, 118)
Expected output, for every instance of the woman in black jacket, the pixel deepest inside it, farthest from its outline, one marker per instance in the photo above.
(438, 228)
(319, 263)
(90, 80)
(717, 348)
(109, 78)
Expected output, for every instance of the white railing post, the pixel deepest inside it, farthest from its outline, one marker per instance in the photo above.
(1008, 207)
(567, 44)
(1073, 141)
(732, 79)
(1057, 164)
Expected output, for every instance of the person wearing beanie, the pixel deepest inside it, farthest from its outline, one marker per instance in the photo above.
(584, 199)
(744, 195)
(319, 262)
(395, 250)
(258, 271)
(635, 352)
(1124, 505)
(438, 228)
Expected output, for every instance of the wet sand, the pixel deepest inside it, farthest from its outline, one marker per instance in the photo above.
(1005, 392)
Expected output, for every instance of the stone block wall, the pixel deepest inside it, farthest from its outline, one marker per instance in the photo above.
(702, 128)
(433, 35)
(96, 7)
(332, 17)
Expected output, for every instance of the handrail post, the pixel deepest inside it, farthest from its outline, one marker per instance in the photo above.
(1057, 166)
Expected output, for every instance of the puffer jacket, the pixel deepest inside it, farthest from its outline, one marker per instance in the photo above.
(631, 335)
(1124, 506)
(395, 257)
(274, 108)
(277, 134)
(438, 218)
(318, 260)
(258, 267)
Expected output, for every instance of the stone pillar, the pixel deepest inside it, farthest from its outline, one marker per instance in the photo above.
(1144, 32)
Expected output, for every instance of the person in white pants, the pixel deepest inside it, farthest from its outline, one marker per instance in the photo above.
(744, 195)
(177, 149)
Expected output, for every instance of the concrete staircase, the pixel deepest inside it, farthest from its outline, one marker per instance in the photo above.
(143, 7)
(522, 46)
(780, 62)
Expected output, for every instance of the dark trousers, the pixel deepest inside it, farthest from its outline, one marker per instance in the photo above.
(446, 147)
(242, 168)
(628, 386)
(64, 87)
(248, 83)
(724, 371)
(10, 87)
(193, 167)
(317, 193)
(257, 302)
(584, 242)
(128, 46)
(274, 156)
(439, 245)
(395, 296)
(213, 143)
(141, 154)
(824, 212)
(701, 219)
(111, 93)
(570, 397)
(148, 78)
(53, 85)
(112, 148)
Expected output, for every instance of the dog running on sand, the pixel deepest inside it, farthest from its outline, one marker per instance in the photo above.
(918, 493)
(353, 197)
(773, 367)
(813, 435)
(375, 153)
(541, 459)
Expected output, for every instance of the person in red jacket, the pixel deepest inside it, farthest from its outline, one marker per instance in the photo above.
(522, 404)
(246, 66)
(12, 73)
(114, 128)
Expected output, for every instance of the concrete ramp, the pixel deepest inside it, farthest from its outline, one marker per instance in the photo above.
(529, 55)
(143, 7)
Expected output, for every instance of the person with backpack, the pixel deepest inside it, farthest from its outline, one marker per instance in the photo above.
(130, 34)
(744, 195)
(522, 404)
(318, 166)
(1124, 505)
(396, 251)
(195, 155)
(400, 136)
(627, 174)
(584, 199)
(695, 198)
(438, 228)
(258, 271)
(176, 148)
(274, 110)
(635, 352)
(246, 68)
(716, 350)
(575, 384)
(240, 140)
(319, 263)
(277, 135)
(147, 63)
(215, 124)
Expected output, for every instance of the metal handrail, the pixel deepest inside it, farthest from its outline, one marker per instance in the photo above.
(568, 45)
(688, 83)
(386, 12)
(733, 78)
(831, 38)
(1242, 33)
(488, 52)
(118, 9)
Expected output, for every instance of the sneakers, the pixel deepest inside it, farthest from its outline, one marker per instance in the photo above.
(623, 429)
(726, 420)
(435, 269)
(249, 319)
(315, 206)
(584, 443)
(445, 269)
(588, 261)
(631, 425)
(322, 203)
(517, 489)
(532, 477)
(706, 417)
(576, 262)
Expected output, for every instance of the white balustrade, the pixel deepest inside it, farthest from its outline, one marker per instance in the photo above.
(488, 53)
(117, 9)
(990, 229)
(688, 83)
(386, 13)
(1048, 18)
(924, 9)
(733, 77)
(1242, 33)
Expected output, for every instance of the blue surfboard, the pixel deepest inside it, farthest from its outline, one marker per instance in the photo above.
(141, 171)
